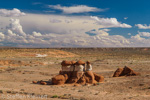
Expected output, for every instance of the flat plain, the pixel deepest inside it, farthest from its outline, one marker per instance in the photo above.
(19, 67)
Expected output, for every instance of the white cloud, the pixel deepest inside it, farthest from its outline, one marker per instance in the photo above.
(10, 33)
(15, 27)
(125, 18)
(76, 9)
(129, 33)
(110, 22)
(145, 34)
(137, 37)
(11, 13)
(99, 32)
(37, 34)
(2, 36)
(68, 21)
(55, 21)
(106, 30)
(140, 26)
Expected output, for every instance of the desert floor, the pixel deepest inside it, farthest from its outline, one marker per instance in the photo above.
(19, 67)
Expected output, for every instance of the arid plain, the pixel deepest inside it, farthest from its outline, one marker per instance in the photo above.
(19, 67)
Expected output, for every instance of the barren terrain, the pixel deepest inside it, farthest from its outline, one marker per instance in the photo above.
(19, 67)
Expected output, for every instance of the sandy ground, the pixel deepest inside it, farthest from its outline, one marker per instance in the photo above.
(16, 80)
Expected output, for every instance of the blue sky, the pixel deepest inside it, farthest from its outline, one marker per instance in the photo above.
(75, 23)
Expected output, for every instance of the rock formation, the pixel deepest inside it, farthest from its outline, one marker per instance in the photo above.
(76, 72)
(126, 71)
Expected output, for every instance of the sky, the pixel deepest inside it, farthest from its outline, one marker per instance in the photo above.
(74, 23)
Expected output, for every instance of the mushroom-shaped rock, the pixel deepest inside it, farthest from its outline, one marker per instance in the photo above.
(77, 74)
(66, 63)
(72, 67)
(73, 62)
(80, 65)
(80, 62)
(88, 66)
(88, 62)
(66, 66)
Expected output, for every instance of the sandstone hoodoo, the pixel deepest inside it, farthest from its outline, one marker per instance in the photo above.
(79, 72)
(126, 71)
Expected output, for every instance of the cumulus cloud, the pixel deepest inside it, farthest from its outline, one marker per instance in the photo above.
(76, 9)
(98, 32)
(145, 34)
(16, 27)
(110, 22)
(137, 37)
(140, 26)
(37, 34)
(63, 34)
(106, 30)
(72, 38)
(68, 21)
(11, 13)
(2, 36)
(10, 33)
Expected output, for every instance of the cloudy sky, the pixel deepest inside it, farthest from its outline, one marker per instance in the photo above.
(75, 23)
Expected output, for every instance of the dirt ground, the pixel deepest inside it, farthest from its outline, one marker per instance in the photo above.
(19, 67)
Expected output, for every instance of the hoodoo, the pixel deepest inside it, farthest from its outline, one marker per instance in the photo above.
(76, 73)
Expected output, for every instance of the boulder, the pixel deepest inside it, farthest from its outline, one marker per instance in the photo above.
(118, 72)
(126, 71)
(89, 76)
(98, 78)
(43, 83)
(82, 80)
(59, 79)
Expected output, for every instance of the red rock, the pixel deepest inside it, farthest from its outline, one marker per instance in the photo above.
(118, 72)
(35, 82)
(98, 78)
(66, 63)
(126, 71)
(80, 62)
(43, 83)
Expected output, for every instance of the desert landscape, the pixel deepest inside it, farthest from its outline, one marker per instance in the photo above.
(20, 66)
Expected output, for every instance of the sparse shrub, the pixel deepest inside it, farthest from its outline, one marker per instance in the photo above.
(55, 96)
